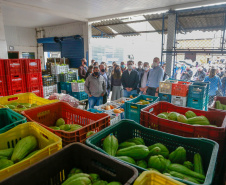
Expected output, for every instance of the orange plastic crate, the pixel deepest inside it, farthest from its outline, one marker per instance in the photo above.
(47, 116)
(180, 88)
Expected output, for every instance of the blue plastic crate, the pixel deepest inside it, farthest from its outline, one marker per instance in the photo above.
(68, 87)
(80, 95)
(58, 87)
(63, 86)
(197, 103)
(95, 111)
(197, 91)
(132, 110)
(165, 97)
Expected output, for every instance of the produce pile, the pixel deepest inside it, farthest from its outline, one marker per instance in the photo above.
(132, 96)
(24, 149)
(20, 106)
(65, 98)
(109, 107)
(60, 125)
(77, 81)
(190, 118)
(77, 177)
(220, 106)
(143, 102)
(156, 157)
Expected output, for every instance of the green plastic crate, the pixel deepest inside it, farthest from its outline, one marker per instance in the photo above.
(132, 110)
(127, 129)
(9, 119)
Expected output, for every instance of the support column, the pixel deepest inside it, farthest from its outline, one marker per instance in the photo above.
(87, 35)
(171, 36)
(3, 44)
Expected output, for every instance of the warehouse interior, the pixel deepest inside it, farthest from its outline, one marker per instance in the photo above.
(112, 92)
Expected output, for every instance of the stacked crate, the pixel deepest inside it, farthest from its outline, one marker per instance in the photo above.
(3, 87)
(15, 75)
(49, 85)
(198, 95)
(33, 74)
(165, 90)
(179, 93)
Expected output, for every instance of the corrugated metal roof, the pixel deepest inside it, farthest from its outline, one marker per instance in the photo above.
(205, 20)
(120, 28)
(104, 29)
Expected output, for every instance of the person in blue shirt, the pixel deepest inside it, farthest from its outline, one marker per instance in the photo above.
(215, 84)
(155, 76)
(223, 81)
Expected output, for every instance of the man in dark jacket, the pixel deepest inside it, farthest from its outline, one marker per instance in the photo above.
(82, 69)
(187, 75)
(200, 75)
(130, 80)
(140, 68)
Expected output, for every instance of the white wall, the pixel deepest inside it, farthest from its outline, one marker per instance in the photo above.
(23, 39)
(3, 46)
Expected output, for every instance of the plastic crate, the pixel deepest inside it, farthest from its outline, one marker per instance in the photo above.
(47, 141)
(102, 107)
(149, 119)
(55, 169)
(180, 88)
(38, 90)
(79, 95)
(48, 90)
(197, 91)
(57, 69)
(48, 80)
(166, 86)
(77, 87)
(165, 97)
(16, 84)
(155, 178)
(25, 98)
(132, 110)
(14, 66)
(3, 86)
(63, 86)
(56, 78)
(222, 101)
(68, 77)
(179, 101)
(127, 129)
(10, 119)
(197, 103)
(32, 65)
(47, 115)
(115, 118)
(33, 79)
(2, 68)
(119, 101)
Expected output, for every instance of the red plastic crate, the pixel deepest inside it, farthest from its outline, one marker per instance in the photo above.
(14, 66)
(3, 89)
(47, 115)
(149, 119)
(2, 68)
(33, 65)
(16, 84)
(33, 79)
(180, 88)
(37, 89)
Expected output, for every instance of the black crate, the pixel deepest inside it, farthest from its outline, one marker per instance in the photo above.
(47, 80)
(68, 77)
(55, 168)
(56, 78)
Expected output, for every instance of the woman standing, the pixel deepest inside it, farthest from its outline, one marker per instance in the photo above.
(89, 71)
(215, 84)
(116, 83)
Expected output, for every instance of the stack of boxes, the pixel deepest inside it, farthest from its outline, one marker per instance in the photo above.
(49, 85)
(20, 76)
(179, 93)
(165, 90)
(198, 95)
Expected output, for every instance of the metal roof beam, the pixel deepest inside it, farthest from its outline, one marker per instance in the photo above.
(102, 32)
(133, 33)
(129, 22)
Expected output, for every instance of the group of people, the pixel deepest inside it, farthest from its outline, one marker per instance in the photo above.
(122, 80)
(215, 76)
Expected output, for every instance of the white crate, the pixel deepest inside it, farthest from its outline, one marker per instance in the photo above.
(119, 101)
(57, 69)
(48, 90)
(166, 86)
(101, 107)
(55, 89)
(77, 87)
(115, 119)
(179, 101)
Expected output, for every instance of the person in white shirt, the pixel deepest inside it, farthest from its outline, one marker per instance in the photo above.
(144, 77)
